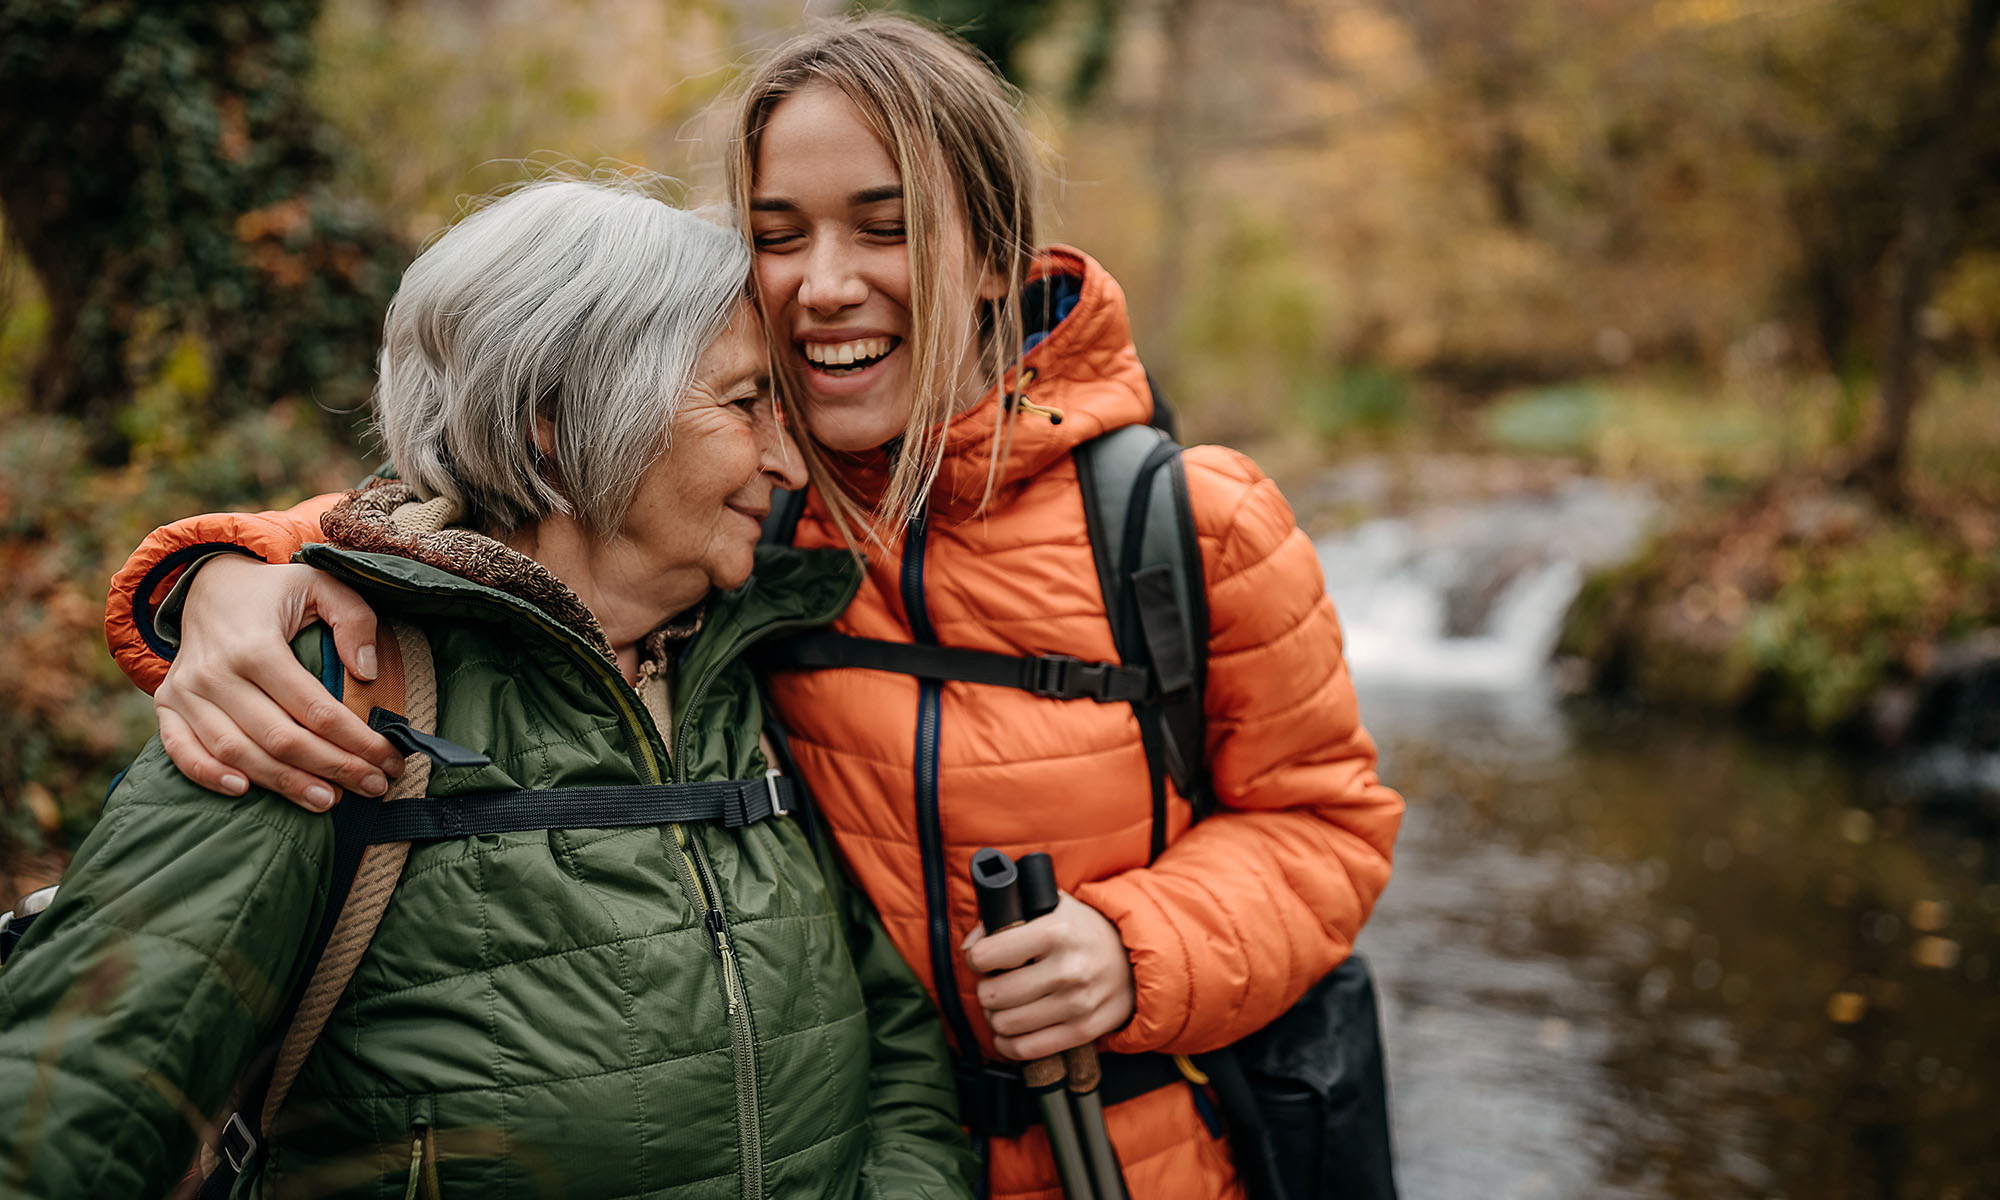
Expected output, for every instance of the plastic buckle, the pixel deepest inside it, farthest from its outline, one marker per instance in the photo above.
(237, 1145)
(1052, 676)
(771, 777)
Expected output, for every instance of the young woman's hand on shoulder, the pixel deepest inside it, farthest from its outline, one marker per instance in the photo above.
(237, 709)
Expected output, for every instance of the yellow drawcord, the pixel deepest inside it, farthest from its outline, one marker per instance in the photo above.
(1019, 399)
(1055, 415)
(416, 1164)
(1193, 1074)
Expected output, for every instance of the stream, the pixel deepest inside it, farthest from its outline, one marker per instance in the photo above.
(1631, 956)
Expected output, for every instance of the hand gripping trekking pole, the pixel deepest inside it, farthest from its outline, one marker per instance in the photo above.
(996, 881)
(1039, 897)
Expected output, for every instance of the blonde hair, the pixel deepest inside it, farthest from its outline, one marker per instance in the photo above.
(942, 113)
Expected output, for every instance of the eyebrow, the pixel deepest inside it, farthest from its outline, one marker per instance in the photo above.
(866, 196)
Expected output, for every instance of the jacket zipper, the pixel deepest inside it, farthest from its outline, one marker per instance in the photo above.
(694, 879)
(930, 831)
(743, 1050)
(748, 1120)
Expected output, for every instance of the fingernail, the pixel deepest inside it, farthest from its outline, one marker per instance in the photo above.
(971, 936)
(235, 785)
(393, 767)
(320, 796)
(374, 785)
(364, 662)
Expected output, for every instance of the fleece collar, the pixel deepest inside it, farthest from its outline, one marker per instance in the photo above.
(368, 521)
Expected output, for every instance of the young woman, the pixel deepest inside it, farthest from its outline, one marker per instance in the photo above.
(887, 184)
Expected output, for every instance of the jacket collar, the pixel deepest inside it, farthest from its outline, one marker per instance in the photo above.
(440, 569)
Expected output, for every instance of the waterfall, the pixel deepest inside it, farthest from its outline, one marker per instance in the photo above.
(1472, 596)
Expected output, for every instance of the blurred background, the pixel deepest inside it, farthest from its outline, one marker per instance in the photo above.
(1635, 363)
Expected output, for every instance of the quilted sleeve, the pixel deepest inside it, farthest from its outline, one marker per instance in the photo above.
(1250, 907)
(917, 1150)
(147, 576)
(134, 1002)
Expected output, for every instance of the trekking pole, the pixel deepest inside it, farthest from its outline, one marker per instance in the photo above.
(996, 881)
(1039, 896)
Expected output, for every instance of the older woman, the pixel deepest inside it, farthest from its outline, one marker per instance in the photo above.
(573, 386)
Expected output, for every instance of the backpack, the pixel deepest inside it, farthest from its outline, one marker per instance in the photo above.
(1306, 1098)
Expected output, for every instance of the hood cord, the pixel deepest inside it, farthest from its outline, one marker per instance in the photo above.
(1020, 400)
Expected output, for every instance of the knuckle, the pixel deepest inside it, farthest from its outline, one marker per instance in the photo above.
(322, 715)
(285, 741)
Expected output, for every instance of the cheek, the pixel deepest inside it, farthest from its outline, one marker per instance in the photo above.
(774, 287)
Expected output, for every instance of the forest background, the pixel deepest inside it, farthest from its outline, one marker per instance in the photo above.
(1746, 250)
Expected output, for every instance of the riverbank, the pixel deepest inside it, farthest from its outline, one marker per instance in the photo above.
(1805, 606)
(1754, 588)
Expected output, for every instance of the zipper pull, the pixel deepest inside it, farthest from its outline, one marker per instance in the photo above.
(442, 751)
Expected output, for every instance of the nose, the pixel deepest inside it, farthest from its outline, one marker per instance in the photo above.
(778, 454)
(831, 281)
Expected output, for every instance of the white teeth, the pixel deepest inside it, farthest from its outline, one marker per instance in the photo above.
(839, 354)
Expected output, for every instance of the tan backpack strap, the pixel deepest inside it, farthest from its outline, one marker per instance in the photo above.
(406, 683)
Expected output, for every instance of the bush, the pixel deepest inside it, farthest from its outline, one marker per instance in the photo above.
(68, 719)
(1796, 603)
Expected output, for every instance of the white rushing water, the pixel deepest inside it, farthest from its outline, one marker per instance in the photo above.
(1472, 597)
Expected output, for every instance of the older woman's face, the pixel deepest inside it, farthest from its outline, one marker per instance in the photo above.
(701, 505)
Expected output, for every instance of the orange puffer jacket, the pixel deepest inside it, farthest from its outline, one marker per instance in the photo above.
(1241, 914)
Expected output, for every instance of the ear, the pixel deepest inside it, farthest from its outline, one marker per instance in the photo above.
(545, 437)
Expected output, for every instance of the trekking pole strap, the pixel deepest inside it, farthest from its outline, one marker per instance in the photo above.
(730, 802)
(1054, 676)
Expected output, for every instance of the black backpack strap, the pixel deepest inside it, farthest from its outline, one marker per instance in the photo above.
(781, 524)
(1056, 676)
(1142, 537)
(730, 802)
(787, 766)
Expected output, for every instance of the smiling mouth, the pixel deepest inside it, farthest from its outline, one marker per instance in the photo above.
(839, 359)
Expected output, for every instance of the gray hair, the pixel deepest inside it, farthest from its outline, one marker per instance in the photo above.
(584, 303)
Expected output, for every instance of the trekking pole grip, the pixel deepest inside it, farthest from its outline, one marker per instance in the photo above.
(996, 882)
(1079, 1066)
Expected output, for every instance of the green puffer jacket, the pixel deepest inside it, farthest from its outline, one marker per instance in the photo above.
(550, 1008)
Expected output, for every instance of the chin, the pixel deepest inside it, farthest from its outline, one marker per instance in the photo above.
(852, 429)
(733, 576)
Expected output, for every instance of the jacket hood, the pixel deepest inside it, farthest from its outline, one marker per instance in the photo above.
(1080, 361)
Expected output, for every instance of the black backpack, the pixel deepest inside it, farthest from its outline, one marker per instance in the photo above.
(1305, 1098)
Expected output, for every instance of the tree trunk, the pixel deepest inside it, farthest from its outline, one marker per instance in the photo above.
(164, 171)
(1172, 133)
(1933, 199)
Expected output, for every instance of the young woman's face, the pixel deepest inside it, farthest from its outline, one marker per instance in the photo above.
(833, 269)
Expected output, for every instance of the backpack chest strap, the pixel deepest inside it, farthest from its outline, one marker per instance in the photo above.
(1055, 676)
(730, 802)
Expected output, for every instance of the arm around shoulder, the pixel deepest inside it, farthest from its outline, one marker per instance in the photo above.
(1249, 908)
(145, 579)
